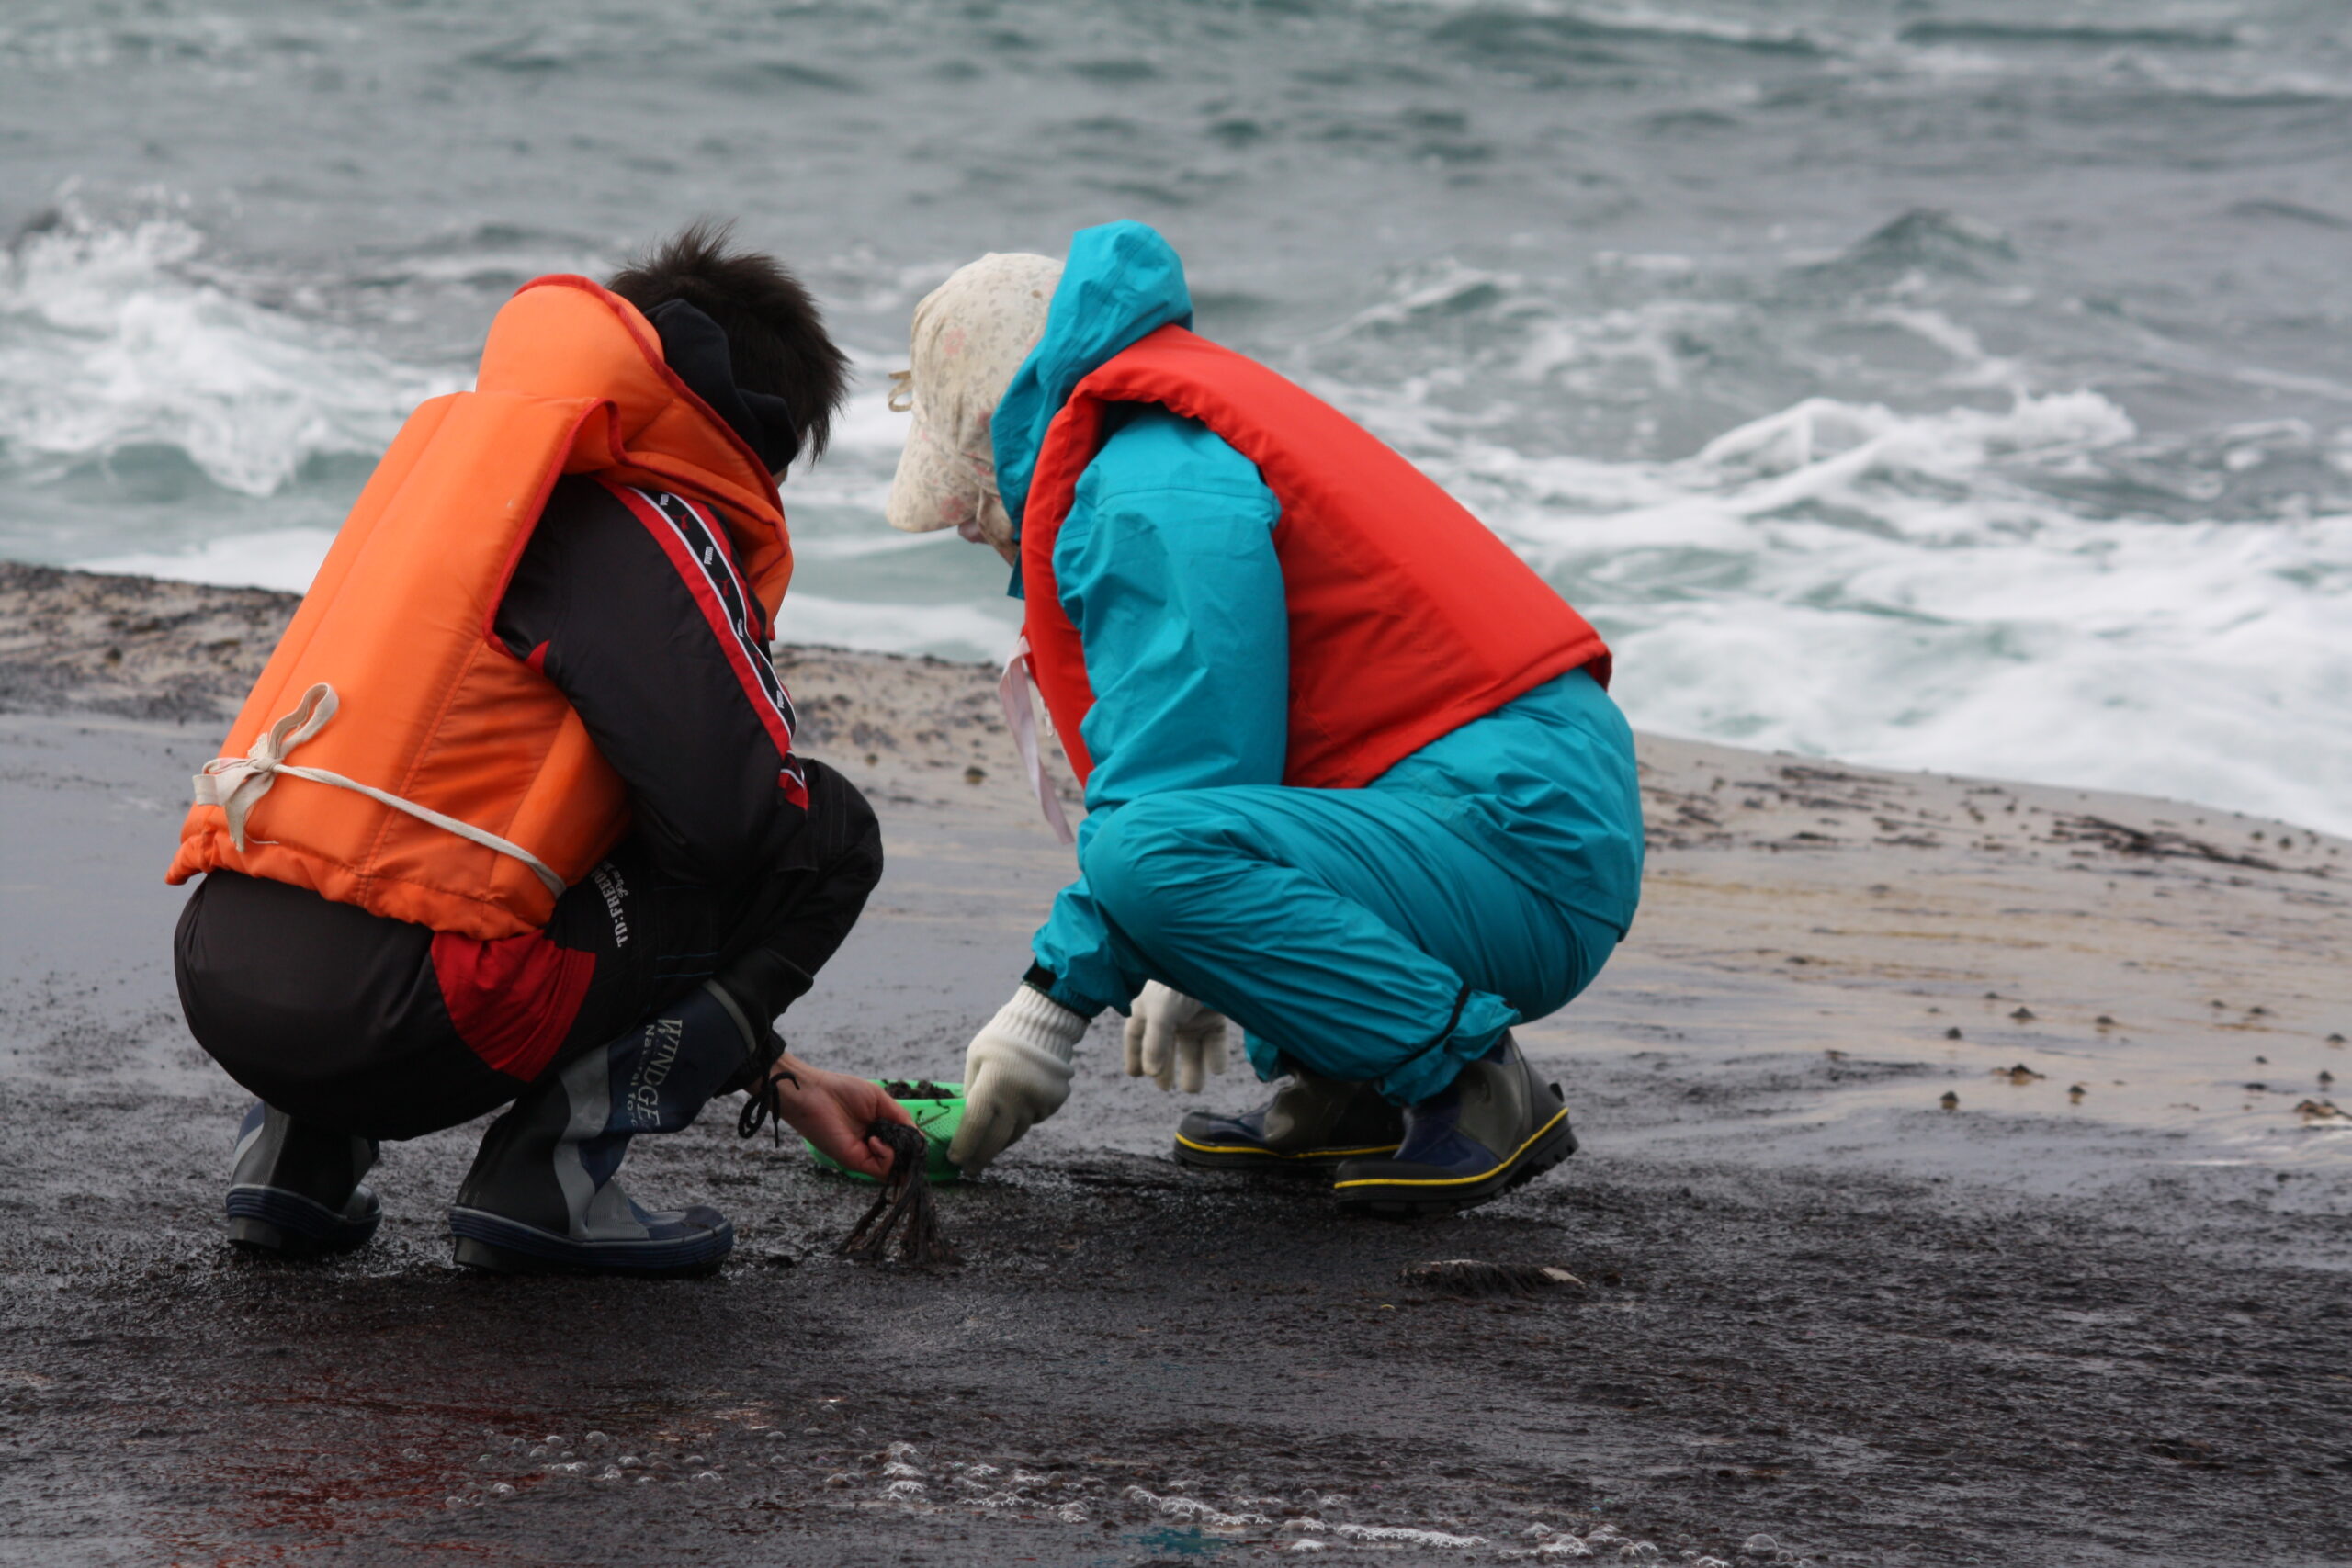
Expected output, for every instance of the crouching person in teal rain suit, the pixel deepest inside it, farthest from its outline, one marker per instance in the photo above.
(1352, 778)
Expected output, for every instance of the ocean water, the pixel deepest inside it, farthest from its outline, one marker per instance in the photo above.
(1960, 384)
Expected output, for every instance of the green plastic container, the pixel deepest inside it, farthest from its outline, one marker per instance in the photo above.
(937, 1117)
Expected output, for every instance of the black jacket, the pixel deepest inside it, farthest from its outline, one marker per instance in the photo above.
(659, 646)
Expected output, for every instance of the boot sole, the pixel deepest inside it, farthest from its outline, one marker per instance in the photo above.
(1410, 1197)
(1245, 1157)
(499, 1246)
(272, 1219)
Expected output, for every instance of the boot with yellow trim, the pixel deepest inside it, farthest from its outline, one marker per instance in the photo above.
(1310, 1124)
(1495, 1126)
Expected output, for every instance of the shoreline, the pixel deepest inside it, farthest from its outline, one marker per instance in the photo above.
(168, 649)
(2039, 1326)
(1742, 844)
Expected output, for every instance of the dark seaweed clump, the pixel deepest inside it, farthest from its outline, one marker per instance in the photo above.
(900, 1088)
(903, 1207)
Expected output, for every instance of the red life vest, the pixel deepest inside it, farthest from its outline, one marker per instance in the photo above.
(1409, 617)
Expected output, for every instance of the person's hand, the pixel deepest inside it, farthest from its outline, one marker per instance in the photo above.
(832, 1111)
(1016, 1073)
(1172, 1040)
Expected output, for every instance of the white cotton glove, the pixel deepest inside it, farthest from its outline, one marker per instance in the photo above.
(1016, 1073)
(1172, 1039)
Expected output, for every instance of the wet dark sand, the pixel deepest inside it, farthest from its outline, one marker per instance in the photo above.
(1819, 1307)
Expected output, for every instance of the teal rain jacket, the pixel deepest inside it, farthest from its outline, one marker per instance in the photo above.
(1167, 567)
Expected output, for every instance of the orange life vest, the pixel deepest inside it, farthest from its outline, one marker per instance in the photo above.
(428, 707)
(1409, 617)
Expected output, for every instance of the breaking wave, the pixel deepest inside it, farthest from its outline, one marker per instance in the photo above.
(1938, 559)
(113, 340)
(2051, 481)
(1841, 579)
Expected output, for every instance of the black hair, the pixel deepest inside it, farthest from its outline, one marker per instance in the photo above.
(775, 335)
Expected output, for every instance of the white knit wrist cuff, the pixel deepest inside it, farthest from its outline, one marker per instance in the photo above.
(1036, 1018)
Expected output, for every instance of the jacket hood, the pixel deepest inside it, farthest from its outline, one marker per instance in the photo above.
(1122, 281)
(696, 348)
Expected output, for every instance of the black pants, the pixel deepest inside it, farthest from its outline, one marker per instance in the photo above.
(336, 1015)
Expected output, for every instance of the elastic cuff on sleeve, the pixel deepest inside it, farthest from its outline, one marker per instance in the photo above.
(1045, 980)
(1036, 1018)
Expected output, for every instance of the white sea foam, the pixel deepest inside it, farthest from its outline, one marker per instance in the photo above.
(1639, 20)
(901, 628)
(1845, 580)
(1981, 586)
(283, 558)
(1408, 1535)
(1835, 578)
(111, 338)
(1195, 1511)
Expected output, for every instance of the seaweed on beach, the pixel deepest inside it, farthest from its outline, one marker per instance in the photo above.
(2122, 838)
(904, 1206)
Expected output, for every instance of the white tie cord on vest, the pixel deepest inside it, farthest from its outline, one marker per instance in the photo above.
(1012, 691)
(235, 784)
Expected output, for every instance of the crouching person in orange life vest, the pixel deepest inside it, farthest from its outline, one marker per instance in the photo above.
(513, 814)
(1352, 778)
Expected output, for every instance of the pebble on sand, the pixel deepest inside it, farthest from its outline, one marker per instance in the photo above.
(1950, 1102)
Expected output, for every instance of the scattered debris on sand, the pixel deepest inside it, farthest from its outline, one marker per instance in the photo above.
(1475, 1277)
(2123, 838)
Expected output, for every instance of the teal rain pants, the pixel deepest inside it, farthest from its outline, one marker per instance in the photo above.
(1348, 933)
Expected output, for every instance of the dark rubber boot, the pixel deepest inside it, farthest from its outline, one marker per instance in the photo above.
(1495, 1126)
(295, 1190)
(541, 1198)
(1310, 1124)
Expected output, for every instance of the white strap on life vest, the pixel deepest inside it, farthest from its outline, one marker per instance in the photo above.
(235, 784)
(1020, 715)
